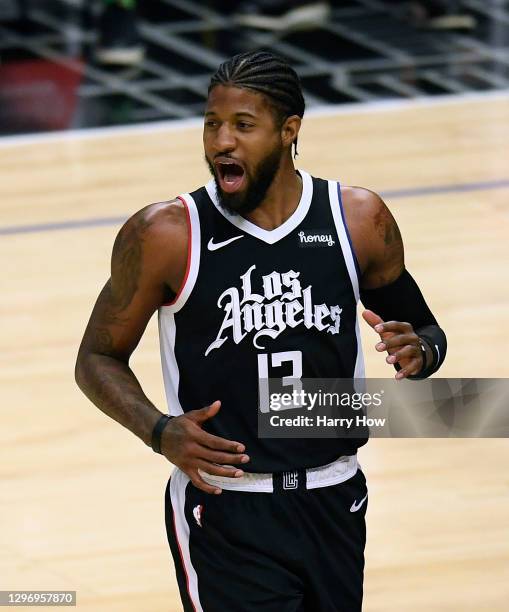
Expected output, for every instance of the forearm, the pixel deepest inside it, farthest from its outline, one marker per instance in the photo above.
(403, 301)
(112, 386)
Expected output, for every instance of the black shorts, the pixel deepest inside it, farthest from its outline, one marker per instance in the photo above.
(299, 550)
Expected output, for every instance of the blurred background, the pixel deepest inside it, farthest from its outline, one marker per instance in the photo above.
(72, 64)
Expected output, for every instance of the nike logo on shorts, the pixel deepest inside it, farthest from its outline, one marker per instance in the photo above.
(213, 246)
(356, 506)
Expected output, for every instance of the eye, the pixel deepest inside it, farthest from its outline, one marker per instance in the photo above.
(244, 125)
(210, 123)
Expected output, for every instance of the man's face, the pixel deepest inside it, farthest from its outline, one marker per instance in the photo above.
(243, 146)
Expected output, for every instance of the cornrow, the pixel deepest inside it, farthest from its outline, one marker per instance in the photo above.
(268, 74)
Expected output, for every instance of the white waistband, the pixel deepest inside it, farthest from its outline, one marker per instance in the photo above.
(323, 476)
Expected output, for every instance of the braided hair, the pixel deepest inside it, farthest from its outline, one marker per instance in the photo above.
(267, 74)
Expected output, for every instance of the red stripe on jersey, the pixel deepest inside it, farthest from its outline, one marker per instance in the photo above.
(189, 243)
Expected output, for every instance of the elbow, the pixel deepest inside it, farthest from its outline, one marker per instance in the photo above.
(80, 370)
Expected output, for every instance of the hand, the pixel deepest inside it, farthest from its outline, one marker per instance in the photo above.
(400, 341)
(187, 446)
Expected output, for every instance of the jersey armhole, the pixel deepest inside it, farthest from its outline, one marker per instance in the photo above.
(193, 255)
(345, 241)
(342, 209)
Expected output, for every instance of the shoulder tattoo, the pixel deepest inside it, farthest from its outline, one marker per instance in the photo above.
(387, 228)
(126, 267)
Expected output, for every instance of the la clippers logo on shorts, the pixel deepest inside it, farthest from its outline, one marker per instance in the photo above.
(290, 480)
(315, 239)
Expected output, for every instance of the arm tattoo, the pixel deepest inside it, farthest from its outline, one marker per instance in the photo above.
(387, 228)
(112, 386)
(390, 259)
(102, 372)
(126, 269)
(102, 340)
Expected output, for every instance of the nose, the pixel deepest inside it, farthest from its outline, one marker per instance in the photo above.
(225, 141)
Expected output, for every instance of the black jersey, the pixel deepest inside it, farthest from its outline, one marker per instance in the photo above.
(259, 303)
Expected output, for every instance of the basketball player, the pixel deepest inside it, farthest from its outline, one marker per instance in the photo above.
(256, 274)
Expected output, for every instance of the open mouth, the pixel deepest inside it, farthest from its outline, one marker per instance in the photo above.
(230, 174)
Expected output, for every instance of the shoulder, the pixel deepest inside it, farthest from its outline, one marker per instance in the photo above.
(153, 242)
(157, 219)
(375, 234)
(156, 224)
(362, 203)
(366, 212)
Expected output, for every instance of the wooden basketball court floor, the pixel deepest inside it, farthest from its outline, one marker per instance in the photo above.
(81, 504)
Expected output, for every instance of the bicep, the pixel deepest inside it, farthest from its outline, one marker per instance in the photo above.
(385, 260)
(135, 289)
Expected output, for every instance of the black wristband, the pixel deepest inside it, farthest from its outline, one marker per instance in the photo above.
(425, 370)
(157, 433)
(435, 338)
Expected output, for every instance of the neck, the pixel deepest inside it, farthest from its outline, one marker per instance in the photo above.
(281, 200)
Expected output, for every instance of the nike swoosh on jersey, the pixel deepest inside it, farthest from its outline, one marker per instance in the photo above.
(356, 506)
(213, 246)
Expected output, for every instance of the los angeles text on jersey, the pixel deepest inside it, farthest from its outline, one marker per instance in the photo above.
(325, 421)
(280, 303)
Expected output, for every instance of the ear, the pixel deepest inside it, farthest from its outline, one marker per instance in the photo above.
(290, 130)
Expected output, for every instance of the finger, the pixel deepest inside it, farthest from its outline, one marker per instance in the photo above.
(216, 457)
(412, 368)
(397, 340)
(199, 483)
(219, 470)
(371, 318)
(383, 344)
(401, 327)
(216, 443)
(407, 352)
(383, 338)
(203, 414)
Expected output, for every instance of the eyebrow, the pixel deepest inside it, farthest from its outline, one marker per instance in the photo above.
(241, 114)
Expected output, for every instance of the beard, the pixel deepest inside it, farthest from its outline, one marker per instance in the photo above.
(257, 185)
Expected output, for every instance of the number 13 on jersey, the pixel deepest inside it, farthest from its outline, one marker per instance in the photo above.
(274, 361)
